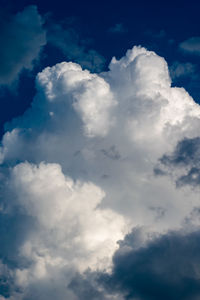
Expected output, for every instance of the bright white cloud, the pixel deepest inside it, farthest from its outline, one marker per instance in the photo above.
(109, 129)
(88, 93)
(71, 232)
(68, 214)
(107, 132)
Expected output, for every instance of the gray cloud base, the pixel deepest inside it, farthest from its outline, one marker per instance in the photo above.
(164, 268)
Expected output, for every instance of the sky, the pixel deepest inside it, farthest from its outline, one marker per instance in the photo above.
(99, 152)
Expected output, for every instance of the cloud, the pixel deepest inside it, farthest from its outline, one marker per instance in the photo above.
(73, 47)
(22, 38)
(184, 162)
(77, 174)
(64, 228)
(165, 268)
(178, 70)
(117, 28)
(75, 115)
(85, 287)
(191, 46)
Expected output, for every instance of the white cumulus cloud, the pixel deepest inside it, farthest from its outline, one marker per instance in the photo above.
(82, 164)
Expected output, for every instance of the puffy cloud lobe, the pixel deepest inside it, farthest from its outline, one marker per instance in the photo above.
(150, 108)
(69, 231)
(22, 37)
(91, 95)
(111, 130)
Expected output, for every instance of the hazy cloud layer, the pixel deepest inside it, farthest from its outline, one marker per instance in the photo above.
(78, 173)
(67, 39)
(178, 69)
(21, 37)
(191, 46)
(117, 28)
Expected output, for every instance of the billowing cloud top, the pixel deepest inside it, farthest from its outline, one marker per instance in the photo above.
(91, 159)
